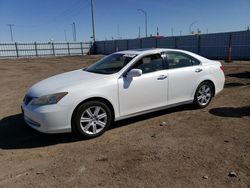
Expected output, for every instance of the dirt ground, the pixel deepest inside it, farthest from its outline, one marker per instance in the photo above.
(137, 152)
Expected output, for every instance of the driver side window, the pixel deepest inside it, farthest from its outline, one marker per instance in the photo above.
(149, 63)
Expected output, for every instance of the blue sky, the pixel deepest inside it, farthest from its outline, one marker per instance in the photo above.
(43, 20)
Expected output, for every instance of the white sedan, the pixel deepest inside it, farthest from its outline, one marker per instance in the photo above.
(119, 86)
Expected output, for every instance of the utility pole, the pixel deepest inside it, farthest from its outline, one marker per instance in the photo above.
(190, 26)
(172, 31)
(157, 32)
(93, 20)
(146, 21)
(118, 32)
(65, 35)
(139, 34)
(74, 31)
(198, 31)
(11, 31)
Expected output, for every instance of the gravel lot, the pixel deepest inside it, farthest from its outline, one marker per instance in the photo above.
(196, 147)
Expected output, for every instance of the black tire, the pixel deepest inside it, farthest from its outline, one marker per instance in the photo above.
(198, 97)
(78, 126)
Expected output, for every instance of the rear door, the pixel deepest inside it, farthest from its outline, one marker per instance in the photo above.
(184, 74)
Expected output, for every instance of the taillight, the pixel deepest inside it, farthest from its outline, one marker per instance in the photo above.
(222, 68)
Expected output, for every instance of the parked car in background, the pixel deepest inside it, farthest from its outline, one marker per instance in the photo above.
(119, 86)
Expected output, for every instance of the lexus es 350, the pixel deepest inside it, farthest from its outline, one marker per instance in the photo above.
(121, 85)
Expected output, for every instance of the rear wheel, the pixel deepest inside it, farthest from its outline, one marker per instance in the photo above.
(92, 119)
(203, 95)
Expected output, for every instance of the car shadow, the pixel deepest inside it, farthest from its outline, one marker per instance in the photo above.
(231, 111)
(245, 74)
(235, 84)
(15, 134)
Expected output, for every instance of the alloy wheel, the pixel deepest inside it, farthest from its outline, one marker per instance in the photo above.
(204, 95)
(93, 120)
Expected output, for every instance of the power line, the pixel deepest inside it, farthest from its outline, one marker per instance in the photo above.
(72, 10)
(62, 17)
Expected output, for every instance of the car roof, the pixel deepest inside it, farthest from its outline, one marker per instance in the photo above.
(145, 51)
(141, 51)
(149, 50)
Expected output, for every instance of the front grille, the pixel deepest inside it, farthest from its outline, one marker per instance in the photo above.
(27, 99)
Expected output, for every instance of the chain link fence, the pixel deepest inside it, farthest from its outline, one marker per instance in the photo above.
(13, 50)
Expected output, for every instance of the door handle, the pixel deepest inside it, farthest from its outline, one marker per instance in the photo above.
(198, 70)
(162, 77)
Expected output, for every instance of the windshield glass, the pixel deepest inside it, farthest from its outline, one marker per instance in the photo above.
(111, 64)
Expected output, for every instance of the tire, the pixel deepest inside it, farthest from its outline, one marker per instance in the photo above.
(91, 119)
(203, 95)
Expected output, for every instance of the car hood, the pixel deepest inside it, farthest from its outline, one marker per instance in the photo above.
(63, 82)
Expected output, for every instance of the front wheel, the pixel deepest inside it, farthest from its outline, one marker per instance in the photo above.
(91, 119)
(203, 95)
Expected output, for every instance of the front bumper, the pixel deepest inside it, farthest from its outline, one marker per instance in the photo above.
(49, 118)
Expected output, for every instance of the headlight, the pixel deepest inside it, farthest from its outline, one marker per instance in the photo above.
(48, 99)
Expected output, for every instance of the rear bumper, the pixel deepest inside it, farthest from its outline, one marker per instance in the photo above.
(220, 83)
(48, 119)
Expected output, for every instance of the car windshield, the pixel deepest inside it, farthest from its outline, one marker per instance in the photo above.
(111, 63)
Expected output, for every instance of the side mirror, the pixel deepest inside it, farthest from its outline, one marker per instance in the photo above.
(134, 73)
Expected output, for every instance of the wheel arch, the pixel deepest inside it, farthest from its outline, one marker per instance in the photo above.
(100, 99)
(211, 83)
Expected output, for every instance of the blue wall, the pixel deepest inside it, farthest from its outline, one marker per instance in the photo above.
(213, 46)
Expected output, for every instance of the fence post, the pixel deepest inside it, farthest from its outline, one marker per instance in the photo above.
(175, 42)
(82, 47)
(156, 42)
(36, 48)
(116, 48)
(199, 44)
(229, 55)
(16, 47)
(68, 49)
(53, 49)
(104, 47)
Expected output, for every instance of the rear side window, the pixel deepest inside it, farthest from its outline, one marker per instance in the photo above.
(179, 60)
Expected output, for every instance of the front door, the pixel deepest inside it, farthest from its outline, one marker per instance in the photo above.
(147, 91)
